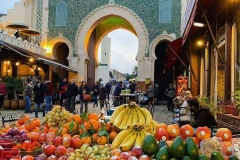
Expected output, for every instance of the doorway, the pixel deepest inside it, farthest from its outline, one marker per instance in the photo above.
(162, 75)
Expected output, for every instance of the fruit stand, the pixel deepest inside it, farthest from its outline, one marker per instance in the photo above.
(129, 134)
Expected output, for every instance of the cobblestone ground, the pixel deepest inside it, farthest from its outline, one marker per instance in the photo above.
(161, 114)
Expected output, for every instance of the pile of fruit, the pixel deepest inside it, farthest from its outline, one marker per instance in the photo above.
(131, 134)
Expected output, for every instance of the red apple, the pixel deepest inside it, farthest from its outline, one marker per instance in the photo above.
(124, 155)
(42, 138)
(137, 151)
(130, 153)
(203, 133)
(116, 152)
(144, 157)
(60, 151)
(49, 150)
(162, 134)
(76, 143)
(66, 142)
(132, 158)
(115, 158)
(70, 150)
(57, 141)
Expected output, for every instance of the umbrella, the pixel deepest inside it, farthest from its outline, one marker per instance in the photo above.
(17, 25)
(31, 32)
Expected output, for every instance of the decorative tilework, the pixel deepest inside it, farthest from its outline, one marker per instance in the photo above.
(165, 11)
(61, 14)
(39, 18)
(147, 10)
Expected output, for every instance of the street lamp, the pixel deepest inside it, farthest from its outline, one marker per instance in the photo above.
(200, 43)
(198, 24)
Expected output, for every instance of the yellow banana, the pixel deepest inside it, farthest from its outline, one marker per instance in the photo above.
(130, 119)
(141, 118)
(124, 120)
(119, 118)
(142, 135)
(146, 133)
(139, 140)
(146, 114)
(119, 138)
(135, 117)
(129, 144)
(127, 138)
(116, 112)
(130, 126)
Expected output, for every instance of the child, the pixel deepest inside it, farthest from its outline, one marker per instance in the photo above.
(102, 95)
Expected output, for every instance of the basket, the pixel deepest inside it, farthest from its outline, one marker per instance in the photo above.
(8, 153)
(7, 143)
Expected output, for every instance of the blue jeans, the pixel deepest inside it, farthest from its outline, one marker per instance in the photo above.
(48, 100)
(95, 100)
(37, 105)
(28, 104)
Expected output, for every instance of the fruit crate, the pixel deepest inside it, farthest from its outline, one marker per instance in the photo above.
(8, 153)
(7, 143)
(34, 153)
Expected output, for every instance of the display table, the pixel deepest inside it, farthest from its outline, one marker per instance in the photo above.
(131, 95)
(228, 121)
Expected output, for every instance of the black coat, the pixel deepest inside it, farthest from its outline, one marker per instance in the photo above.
(72, 90)
(102, 94)
(82, 89)
(39, 92)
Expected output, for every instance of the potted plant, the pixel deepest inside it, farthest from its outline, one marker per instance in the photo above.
(236, 100)
(209, 103)
(14, 85)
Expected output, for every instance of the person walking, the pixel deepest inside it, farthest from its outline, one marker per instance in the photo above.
(102, 95)
(150, 93)
(83, 89)
(108, 87)
(113, 87)
(95, 94)
(72, 92)
(3, 92)
(48, 95)
(39, 90)
(28, 92)
(63, 91)
(170, 93)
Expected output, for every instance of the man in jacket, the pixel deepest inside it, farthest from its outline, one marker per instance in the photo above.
(28, 92)
(39, 90)
(72, 92)
(63, 90)
(3, 92)
(202, 115)
(118, 89)
(95, 94)
(132, 90)
(102, 95)
(48, 95)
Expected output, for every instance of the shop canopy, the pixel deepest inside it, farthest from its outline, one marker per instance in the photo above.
(37, 57)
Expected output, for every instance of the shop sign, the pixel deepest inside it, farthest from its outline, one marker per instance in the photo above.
(187, 15)
(182, 83)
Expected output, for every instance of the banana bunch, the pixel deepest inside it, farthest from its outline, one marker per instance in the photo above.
(130, 137)
(130, 114)
(151, 127)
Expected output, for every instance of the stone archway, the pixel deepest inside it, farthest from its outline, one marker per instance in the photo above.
(94, 18)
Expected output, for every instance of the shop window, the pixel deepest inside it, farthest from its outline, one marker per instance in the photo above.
(165, 11)
(61, 14)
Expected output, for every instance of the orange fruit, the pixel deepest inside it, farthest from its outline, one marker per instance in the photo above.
(161, 125)
(23, 119)
(107, 126)
(30, 125)
(37, 122)
(92, 116)
(113, 129)
(64, 131)
(102, 140)
(95, 137)
(173, 130)
(92, 124)
(36, 130)
(67, 135)
(53, 129)
(75, 118)
(87, 140)
(43, 129)
(112, 136)
(66, 125)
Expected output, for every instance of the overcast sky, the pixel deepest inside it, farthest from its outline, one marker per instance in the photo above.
(124, 44)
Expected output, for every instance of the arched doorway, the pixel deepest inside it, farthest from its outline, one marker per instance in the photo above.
(96, 26)
(61, 52)
(162, 75)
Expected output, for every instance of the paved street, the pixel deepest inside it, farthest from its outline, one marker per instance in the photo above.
(161, 113)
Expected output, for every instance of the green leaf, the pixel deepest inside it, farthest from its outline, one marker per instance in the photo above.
(92, 128)
(75, 133)
(71, 126)
(85, 134)
(84, 116)
(59, 131)
(103, 132)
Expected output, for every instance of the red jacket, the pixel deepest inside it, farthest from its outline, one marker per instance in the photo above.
(50, 89)
(3, 89)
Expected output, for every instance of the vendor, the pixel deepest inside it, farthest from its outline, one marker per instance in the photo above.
(202, 115)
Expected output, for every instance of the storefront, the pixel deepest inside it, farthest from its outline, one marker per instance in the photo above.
(210, 36)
